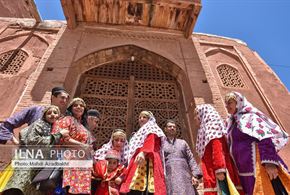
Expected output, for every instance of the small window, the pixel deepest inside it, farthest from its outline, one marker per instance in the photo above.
(12, 61)
(230, 76)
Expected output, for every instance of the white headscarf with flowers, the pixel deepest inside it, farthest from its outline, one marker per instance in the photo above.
(100, 154)
(255, 123)
(211, 127)
(139, 137)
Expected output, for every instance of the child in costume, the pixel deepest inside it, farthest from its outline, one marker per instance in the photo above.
(108, 172)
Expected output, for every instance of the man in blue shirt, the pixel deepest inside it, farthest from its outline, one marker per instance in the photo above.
(59, 97)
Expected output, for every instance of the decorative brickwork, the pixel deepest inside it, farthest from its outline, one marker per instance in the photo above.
(230, 76)
(12, 61)
(136, 36)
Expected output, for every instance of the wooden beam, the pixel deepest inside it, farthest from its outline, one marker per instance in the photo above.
(170, 14)
(137, 1)
(69, 13)
(78, 9)
(183, 4)
(103, 10)
(192, 20)
(89, 10)
(122, 12)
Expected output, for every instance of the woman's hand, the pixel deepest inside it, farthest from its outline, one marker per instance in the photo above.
(85, 146)
(220, 176)
(195, 182)
(140, 158)
(14, 140)
(64, 133)
(118, 180)
(271, 170)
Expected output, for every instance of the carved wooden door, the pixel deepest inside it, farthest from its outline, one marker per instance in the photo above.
(121, 90)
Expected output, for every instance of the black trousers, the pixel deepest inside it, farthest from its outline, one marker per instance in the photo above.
(278, 187)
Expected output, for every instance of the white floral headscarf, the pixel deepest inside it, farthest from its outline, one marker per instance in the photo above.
(139, 137)
(100, 154)
(212, 126)
(255, 123)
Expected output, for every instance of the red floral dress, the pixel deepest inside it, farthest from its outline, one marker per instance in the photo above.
(152, 147)
(217, 157)
(78, 179)
(107, 185)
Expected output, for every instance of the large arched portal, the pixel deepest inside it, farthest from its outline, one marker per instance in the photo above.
(121, 88)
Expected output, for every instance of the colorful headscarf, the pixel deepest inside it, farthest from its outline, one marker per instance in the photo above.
(139, 137)
(47, 108)
(100, 154)
(74, 100)
(211, 127)
(255, 123)
(70, 106)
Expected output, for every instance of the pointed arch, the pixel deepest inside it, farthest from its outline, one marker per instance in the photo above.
(122, 81)
(126, 52)
(213, 51)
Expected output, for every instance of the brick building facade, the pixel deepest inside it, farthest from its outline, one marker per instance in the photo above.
(123, 57)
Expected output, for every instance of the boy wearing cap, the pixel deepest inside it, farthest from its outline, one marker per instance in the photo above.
(108, 171)
(92, 120)
(59, 98)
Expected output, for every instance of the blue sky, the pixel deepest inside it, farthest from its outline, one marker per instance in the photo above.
(263, 24)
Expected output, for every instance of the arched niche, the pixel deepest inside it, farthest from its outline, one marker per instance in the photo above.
(122, 81)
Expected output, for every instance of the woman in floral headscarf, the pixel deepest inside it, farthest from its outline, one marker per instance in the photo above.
(219, 173)
(145, 173)
(254, 141)
(117, 142)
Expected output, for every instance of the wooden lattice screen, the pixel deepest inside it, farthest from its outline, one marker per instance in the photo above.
(12, 61)
(230, 76)
(121, 90)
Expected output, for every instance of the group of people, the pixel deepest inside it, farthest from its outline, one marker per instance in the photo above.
(239, 156)
(57, 124)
